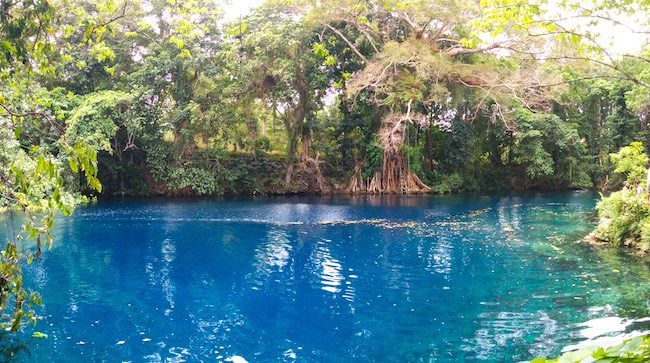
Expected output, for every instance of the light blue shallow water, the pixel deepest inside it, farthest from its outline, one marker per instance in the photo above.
(329, 279)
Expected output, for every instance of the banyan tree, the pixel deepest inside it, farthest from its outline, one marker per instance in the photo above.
(395, 175)
(419, 60)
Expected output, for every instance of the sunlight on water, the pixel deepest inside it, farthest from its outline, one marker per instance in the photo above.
(609, 331)
(332, 279)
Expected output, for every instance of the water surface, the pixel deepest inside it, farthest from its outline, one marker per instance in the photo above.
(495, 278)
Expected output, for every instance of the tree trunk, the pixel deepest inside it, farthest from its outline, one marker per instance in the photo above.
(289, 173)
(647, 185)
(395, 176)
(429, 149)
(295, 123)
(305, 141)
(292, 148)
(264, 127)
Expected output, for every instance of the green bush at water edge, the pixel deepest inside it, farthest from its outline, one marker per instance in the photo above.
(632, 350)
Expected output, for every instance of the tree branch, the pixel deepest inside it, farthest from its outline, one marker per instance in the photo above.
(43, 115)
(463, 51)
(348, 42)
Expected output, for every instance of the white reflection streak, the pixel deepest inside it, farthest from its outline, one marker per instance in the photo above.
(350, 292)
(168, 251)
(273, 255)
(442, 257)
(500, 329)
(330, 214)
(438, 254)
(509, 217)
(330, 276)
(606, 331)
(300, 212)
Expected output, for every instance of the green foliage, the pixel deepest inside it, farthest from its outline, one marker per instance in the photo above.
(39, 335)
(624, 216)
(632, 162)
(638, 96)
(22, 24)
(97, 118)
(531, 154)
(644, 241)
(262, 143)
(214, 172)
(448, 184)
(35, 157)
(548, 147)
(32, 183)
(632, 350)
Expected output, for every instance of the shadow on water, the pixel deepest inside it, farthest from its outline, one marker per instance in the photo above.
(12, 348)
(626, 276)
(390, 200)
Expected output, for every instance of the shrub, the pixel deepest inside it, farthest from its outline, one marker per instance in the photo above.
(636, 349)
(622, 217)
(631, 161)
(262, 143)
(449, 184)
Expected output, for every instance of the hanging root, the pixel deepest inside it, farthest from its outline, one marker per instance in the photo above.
(395, 176)
(416, 184)
(307, 175)
(357, 184)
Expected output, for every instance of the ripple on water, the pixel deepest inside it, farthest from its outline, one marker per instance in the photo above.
(447, 279)
(502, 329)
(328, 269)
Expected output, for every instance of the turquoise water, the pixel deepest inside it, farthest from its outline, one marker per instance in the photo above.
(495, 278)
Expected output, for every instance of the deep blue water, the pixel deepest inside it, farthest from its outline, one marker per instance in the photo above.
(496, 278)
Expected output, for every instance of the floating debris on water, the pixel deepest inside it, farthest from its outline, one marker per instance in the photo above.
(376, 222)
(39, 335)
(358, 221)
(477, 213)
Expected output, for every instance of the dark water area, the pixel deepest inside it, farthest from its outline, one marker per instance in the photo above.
(427, 278)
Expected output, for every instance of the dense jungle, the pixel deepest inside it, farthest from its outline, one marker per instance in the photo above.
(188, 98)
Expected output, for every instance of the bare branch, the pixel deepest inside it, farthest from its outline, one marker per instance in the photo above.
(43, 115)
(463, 51)
(119, 16)
(348, 42)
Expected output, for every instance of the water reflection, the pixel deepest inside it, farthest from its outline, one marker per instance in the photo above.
(168, 251)
(503, 329)
(509, 214)
(607, 331)
(301, 212)
(275, 253)
(272, 259)
(158, 269)
(328, 268)
(372, 279)
(438, 258)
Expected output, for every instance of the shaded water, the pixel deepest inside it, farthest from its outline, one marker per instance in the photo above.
(331, 279)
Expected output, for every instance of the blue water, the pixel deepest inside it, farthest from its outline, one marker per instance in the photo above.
(495, 278)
